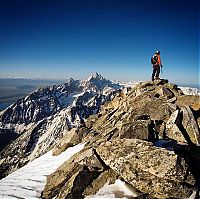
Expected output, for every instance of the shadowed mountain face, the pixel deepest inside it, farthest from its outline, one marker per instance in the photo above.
(147, 135)
(36, 122)
(7, 136)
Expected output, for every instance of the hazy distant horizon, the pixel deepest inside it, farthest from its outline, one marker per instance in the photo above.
(194, 85)
(13, 89)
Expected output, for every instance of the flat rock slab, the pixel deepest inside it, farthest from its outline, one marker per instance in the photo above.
(150, 169)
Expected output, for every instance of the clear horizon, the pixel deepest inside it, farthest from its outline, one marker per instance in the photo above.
(60, 80)
(63, 39)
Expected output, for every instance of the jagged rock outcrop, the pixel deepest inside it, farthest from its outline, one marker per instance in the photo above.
(193, 101)
(123, 137)
(41, 119)
(141, 113)
(190, 133)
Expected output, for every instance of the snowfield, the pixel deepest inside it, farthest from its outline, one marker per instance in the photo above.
(28, 182)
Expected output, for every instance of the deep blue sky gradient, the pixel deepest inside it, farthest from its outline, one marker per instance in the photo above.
(74, 38)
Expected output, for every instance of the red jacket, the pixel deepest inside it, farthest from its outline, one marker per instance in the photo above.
(159, 60)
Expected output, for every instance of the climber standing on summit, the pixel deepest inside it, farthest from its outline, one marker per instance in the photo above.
(156, 63)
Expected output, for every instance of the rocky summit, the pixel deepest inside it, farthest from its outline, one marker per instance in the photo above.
(148, 136)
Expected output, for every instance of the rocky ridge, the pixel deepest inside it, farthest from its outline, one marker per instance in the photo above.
(33, 125)
(147, 136)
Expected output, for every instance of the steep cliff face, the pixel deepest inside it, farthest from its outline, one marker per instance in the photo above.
(35, 123)
(148, 136)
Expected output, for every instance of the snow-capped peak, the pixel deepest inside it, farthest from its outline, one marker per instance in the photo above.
(96, 82)
(96, 76)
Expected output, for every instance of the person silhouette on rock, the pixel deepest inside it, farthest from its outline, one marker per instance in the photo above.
(156, 63)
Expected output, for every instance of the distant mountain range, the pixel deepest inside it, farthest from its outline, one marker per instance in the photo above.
(36, 122)
(134, 132)
(15, 88)
(33, 124)
(190, 91)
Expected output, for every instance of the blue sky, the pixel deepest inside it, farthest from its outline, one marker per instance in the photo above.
(116, 38)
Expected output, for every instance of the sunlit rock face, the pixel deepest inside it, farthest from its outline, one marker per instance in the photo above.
(147, 136)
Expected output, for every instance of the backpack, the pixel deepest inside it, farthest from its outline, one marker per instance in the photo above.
(154, 60)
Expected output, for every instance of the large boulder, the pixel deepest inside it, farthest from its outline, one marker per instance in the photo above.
(183, 127)
(150, 169)
(193, 101)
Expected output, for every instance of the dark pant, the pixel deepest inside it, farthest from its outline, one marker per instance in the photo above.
(156, 72)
